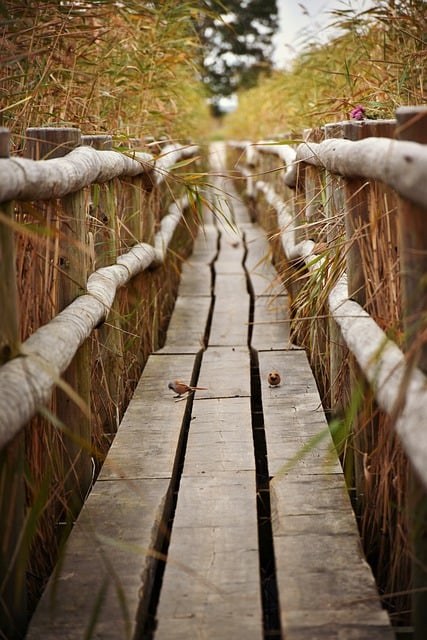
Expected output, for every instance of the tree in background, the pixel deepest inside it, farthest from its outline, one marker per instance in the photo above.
(237, 41)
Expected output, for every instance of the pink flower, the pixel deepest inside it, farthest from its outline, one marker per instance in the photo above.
(358, 113)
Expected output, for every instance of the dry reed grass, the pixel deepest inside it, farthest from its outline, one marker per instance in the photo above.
(127, 70)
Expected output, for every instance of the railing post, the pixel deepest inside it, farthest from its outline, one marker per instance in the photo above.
(299, 203)
(338, 350)
(13, 601)
(314, 212)
(46, 143)
(109, 364)
(357, 192)
(412, 123)
(360, 218)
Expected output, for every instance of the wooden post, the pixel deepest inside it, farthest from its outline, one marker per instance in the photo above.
(9, 334)
(44, 143)
(100, 142)
(338, 351)
(13, 557)
(360, 212)
(109, 370)
(357, 207)
(72, 283)
(300, 203)
(412, 123)
(313, 191)
(55, 142)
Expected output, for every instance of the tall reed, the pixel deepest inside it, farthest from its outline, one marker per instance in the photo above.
(128, 69)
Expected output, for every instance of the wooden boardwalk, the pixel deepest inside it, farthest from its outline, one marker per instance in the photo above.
(254, 549)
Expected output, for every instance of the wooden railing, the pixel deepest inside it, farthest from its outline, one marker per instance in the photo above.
(346, 211)
(110, 228)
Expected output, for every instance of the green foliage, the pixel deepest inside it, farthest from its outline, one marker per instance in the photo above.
(237, 38)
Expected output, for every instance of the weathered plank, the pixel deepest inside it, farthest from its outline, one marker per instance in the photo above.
(149, 434)
(211, 585)
(99, 579)
(225, 372)
(231, 254)
(187, 327)
(220, 437)
(271, 313)
(206, 243)
(186, 330)
(108, 565)
(326, 588)
(263, 275)
(196, 279)
(231, 311)
(271, 322)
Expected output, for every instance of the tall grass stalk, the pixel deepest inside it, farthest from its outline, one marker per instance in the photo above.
(128, 69)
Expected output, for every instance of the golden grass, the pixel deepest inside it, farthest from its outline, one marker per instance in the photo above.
(125, 69)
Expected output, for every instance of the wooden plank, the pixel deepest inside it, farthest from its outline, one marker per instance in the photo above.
(231, 255)
(271, 312)
(293, 415)
(326, 588)
(225, 373)
(215, 595)
(122, 520)
(263, 275)
(231, 311)
(211, 585)
(196, 279)
(206, 244)
(216, 443)
(186, 330)
(271, 324)
(148, 438)
(105, 562)
(240, 210)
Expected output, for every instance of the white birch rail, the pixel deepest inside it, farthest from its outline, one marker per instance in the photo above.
(400, 164)
(23, 179)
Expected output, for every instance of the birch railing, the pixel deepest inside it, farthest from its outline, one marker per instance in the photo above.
(346, 212)
(115, 225)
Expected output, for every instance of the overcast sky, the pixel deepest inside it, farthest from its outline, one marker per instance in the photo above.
(300, 20)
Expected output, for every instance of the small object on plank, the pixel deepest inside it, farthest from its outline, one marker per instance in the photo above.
(181, 388)
(274, 378)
